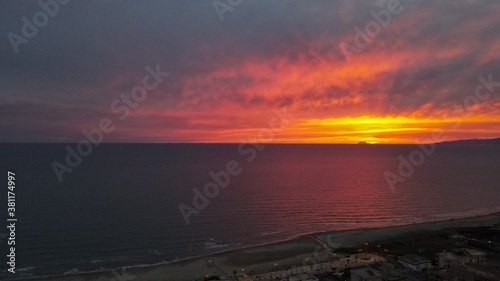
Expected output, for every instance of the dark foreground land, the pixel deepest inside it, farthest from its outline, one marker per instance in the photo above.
(424, 239)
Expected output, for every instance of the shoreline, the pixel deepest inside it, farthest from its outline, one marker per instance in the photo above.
(260, 258)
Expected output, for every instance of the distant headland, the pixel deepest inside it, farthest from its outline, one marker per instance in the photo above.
(473, 141)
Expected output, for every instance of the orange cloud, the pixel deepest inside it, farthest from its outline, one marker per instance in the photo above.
(399, 89)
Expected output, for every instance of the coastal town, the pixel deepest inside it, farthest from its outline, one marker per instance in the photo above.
(457, 249)
(457, 254)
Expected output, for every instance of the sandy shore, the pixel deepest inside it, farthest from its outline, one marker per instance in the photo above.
(353, 238)
(263, 258)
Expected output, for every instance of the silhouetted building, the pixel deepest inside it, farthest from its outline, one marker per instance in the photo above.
(460, 257)
(415, 263)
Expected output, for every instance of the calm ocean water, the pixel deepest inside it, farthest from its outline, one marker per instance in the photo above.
(120, 206)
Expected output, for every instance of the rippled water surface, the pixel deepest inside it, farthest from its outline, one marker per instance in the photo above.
(120, 206)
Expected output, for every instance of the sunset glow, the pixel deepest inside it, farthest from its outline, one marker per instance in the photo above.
(421, 73)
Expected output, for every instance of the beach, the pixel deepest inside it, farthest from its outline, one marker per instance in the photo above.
(266, 258)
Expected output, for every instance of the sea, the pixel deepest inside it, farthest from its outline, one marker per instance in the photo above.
(120, 204)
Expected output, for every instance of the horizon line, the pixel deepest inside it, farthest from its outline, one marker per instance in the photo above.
(361, 143)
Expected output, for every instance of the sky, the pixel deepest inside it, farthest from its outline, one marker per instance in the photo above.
(334, 71)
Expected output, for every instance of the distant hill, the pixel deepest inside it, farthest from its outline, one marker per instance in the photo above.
(473, 141)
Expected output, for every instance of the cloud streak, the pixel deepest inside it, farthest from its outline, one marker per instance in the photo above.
(226, 77)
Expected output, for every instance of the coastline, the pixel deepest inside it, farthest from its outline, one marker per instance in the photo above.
(262, 258)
